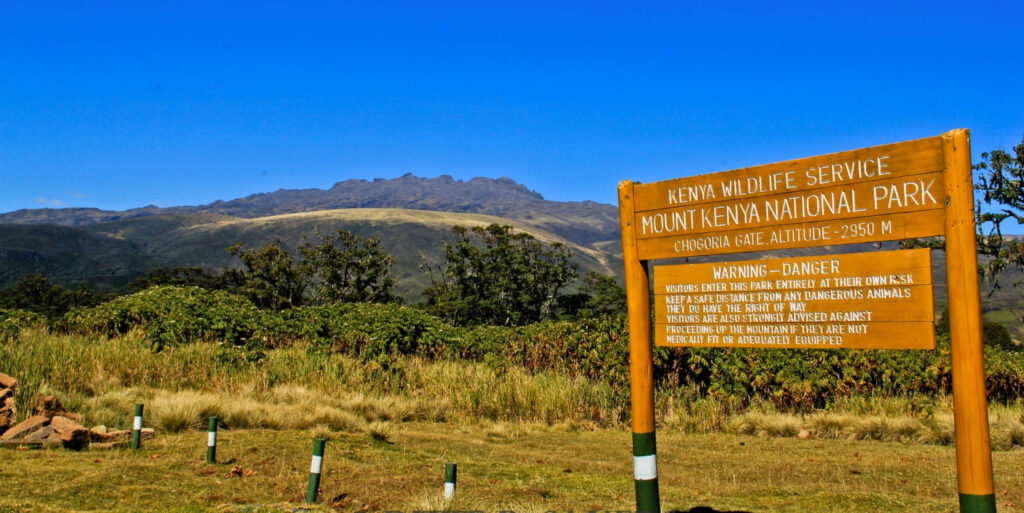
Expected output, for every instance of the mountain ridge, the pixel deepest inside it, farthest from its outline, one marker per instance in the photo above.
(411, 215)
(584, 222)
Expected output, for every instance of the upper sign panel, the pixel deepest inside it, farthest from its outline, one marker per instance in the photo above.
(889, 192)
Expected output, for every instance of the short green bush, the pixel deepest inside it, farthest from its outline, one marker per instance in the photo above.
(13, 320)
(175, 315)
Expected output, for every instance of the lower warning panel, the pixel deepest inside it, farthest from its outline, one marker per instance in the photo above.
(878, 300)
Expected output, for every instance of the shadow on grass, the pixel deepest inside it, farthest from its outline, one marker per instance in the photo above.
(705, 509)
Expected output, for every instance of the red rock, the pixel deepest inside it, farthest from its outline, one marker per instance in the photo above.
(119, 439)
(48, 405)
(68, 432)
(72, 434)
(64, 425)
(8, 382)
(25, 427)
(41, 434)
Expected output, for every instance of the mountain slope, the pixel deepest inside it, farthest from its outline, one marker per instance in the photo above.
(67, 255)
(411, 236)
(584, 222)
(110, 254)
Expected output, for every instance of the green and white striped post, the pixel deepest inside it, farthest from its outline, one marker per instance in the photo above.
(450, 472)
(645, 473)
(137, 428)
(314, 470)
(211, 441)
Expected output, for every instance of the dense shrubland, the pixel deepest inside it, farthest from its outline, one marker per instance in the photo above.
(349, 365)
(594, 349)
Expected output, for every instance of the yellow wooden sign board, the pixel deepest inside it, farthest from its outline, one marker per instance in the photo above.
(919, 188)
(850, 301)
(889, 192)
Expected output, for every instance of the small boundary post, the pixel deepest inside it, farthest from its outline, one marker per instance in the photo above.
(137, 428)
(211, 441)
(450, 473)
(314, 470)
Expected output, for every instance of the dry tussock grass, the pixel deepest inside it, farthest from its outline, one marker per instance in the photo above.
(284, 407)
(1006, 430)
(762, 424)
(830, 425)
(379, 431)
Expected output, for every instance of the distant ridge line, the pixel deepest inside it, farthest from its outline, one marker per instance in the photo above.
(584, 222)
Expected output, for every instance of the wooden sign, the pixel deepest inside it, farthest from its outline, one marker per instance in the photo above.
(890, 192)
(850, 301)
(919, 188)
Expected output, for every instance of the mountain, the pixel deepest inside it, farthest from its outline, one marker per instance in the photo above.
(411, 216)
(585, 222)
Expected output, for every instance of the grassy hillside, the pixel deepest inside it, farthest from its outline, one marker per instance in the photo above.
(110, 254)
(68, 255)
(411, 236)
(143, 229)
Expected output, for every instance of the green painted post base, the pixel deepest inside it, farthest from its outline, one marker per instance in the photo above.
(977, 503)
(450, 472)
(647, 496)
(645, 473)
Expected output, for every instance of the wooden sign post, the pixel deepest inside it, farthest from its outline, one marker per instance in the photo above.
(919, 188)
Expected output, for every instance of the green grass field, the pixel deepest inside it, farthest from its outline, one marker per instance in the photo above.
(518, 467)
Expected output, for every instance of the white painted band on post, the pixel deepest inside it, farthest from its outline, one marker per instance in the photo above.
(645, 468)
(137, 425)
(314, 467)
(449, 490)
(211, 438)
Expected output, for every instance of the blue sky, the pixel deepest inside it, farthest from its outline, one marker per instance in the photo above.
(119, 105)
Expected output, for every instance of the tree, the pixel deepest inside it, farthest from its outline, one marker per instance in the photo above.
(605, 295)
(36, 293)
(271, 277)
(179, 276)
(1001, 181)
(494, 276)
(348, 268)
(992, 333)
(599, 295)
